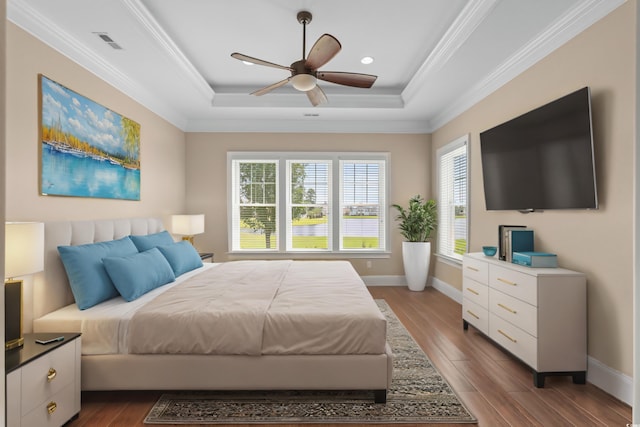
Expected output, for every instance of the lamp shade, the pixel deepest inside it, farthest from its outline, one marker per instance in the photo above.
(24, 248)
(187, 225)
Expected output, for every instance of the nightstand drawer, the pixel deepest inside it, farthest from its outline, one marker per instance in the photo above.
(514, 283)
(56, 410)
(47, 375)
(476, 270)
(476, 292)
(521, 314)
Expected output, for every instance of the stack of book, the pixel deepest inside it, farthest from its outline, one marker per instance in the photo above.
(517, 240)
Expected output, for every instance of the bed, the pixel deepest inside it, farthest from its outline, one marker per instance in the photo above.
(318, 327)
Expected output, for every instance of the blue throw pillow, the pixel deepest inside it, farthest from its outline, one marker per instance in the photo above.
(182, 256)
(89, 281)
(137, 274)
(146, 242)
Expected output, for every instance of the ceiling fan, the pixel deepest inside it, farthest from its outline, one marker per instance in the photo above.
(304, 73)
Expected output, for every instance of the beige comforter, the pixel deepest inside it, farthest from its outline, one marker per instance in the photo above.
(263, 307)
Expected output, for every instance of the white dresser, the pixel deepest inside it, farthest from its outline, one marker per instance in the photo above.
(43, 381)
(537, 314)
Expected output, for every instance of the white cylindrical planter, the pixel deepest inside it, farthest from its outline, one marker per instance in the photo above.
(416, 257)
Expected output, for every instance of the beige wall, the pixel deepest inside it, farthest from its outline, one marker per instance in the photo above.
(161, 144)
(598, 243)
(207, 178)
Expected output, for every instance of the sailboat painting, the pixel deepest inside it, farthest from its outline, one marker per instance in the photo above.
(87, 150)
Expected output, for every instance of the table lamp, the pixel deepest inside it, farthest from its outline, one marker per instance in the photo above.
(23, 255)
(187, 226)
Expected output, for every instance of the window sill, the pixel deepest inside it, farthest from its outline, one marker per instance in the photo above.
(306, 255)
(449, 261)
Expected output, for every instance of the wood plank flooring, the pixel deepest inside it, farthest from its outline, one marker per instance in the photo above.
(496, 388)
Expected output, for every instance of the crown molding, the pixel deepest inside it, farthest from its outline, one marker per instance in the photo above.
(309, 125)
(295, 99)
(153, 28)
(473, 14)
(561, 31)
(30, 20)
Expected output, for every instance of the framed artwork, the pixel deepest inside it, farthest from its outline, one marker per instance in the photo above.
(86, 150)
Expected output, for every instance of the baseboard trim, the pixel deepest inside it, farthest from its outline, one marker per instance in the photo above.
(384, 280)
(600, 375)
(608, 379)
(447, 289)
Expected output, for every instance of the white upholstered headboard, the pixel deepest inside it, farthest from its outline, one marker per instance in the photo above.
(51, 288)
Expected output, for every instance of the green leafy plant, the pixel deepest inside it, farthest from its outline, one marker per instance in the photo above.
(418, 220)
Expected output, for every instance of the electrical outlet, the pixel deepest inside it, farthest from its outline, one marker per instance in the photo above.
(368, 264)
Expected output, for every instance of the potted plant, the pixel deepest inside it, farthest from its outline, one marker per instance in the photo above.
(416, 223)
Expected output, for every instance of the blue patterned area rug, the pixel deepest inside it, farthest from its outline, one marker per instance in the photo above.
(418, 394)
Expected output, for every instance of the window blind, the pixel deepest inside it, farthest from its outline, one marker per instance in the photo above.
(362, 201)
(452, 204)
(254, 205)
(308, 207)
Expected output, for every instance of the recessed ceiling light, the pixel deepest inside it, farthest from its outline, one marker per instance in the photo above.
(367, 60)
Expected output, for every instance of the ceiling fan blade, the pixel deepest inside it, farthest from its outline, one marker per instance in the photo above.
(317, 96)
(348, 79)
(269, 88)
(257, 61)
(325, 48)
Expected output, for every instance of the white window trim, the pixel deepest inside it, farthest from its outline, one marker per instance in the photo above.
(451, 146)
(335, 158)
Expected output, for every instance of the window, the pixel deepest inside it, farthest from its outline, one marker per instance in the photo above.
(453, 221)
(308, 202)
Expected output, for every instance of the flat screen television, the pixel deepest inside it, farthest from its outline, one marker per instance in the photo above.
(542, 159)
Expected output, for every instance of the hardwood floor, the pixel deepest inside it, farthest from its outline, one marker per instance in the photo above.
(496, 388)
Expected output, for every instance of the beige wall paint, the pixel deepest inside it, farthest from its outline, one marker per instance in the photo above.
(162, 144)
(207, 178)
(598, 243)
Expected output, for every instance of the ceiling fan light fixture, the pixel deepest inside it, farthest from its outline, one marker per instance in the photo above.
(303, 82)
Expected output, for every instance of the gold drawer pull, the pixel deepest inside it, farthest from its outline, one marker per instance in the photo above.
(473, 314)
(51, 375)
(51, 407)
(510, 310)
(508, 337)
(472, 268)
(507, 281)
(473, 291)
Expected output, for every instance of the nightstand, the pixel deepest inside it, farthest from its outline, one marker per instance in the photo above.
(206, 257)
(43, 381)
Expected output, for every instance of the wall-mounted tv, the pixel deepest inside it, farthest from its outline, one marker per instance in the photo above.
(542, 159)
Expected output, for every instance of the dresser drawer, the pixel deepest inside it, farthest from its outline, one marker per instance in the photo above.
(515, 340)
(476, 270)
(56, 410)
(514, 283)
(475, 315)
(515, 311)
(47, 375)
(476, 292)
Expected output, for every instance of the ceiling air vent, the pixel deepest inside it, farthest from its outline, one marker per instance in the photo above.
(108, 40)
